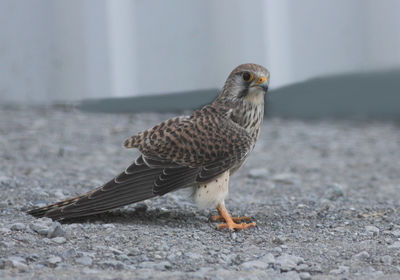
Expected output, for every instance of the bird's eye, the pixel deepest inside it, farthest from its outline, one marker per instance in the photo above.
(247, 77)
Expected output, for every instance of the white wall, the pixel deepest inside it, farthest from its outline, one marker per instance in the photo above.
(53, 50)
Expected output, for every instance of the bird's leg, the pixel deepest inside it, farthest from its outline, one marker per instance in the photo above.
(230, 222)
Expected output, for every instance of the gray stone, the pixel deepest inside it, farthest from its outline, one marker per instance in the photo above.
(153, 265)
(16, 259)
(315, 268)
(395, 245)
(268, 258)
(87, 270)
(362, 256)
(108, 226)
(305, 276)
(203, 272)
(257, 264)
(302, 267)
(193, 255)
(123, 257)
(340, 270)
(4, 230)
(85, 260)
(372, 229)
(395, 233)
(41, 229)
(41, 226)
(115, 251)
(291, 275)
(112, 263)
(7, 244)
(387, 260)
(27, 238)
(69, 253)
(55, 230)
(53, 261)
(59, 194)
(279, 240)
(18, 226)
(18, 263)
(333, 192)
(288, 262)
(59, 240)
(277, 250)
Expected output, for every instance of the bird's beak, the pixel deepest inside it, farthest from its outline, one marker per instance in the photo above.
(262, 82)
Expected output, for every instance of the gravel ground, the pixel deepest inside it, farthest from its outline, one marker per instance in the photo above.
(325, 196)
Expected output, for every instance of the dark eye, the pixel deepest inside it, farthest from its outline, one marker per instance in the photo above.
(247, 77)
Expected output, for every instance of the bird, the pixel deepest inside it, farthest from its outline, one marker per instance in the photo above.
(201, 151)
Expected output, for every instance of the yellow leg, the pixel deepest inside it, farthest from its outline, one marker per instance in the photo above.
(229, 220)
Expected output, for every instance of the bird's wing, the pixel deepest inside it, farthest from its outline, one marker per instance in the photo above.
(209, 141)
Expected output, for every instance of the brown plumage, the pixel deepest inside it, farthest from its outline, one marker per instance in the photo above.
(191, 151)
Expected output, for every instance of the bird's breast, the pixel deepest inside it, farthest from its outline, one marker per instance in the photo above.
(250, 117)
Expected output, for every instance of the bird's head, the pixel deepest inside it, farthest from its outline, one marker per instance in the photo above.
(247, 82)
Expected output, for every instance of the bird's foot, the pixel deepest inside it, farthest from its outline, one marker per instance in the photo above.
(235, 226)
(231, 223)
(235, 219)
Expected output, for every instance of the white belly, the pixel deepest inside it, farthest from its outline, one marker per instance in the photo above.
(212, 193)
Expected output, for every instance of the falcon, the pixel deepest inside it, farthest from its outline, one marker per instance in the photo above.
(200, 151)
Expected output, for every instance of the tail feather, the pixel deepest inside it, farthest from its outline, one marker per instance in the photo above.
(109, 196)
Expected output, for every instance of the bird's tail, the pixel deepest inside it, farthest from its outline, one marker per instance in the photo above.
(133, 185)
(55, 208)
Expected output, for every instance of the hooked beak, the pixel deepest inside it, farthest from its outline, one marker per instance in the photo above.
(262, 83)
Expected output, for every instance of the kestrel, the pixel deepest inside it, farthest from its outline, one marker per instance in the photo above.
(200, 151)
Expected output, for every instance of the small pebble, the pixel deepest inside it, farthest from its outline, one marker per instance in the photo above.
(288, 262)
(250, 265)
(41, 226)
(291, 275)
(4, 230)
(18, 226)
(372, 229)
(112, 263)
(395, 233)
(53, 261)
(387, 260)
(268, 258)
(333, 192)
(340, 270)
(59, 240)
(395, 245)
(84, 260)
(115, 251)
(69, 253)
(362, 256)
(18, 263)
(55, 230)
(305, 276)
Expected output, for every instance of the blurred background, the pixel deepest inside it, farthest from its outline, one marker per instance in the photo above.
(333, 58)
